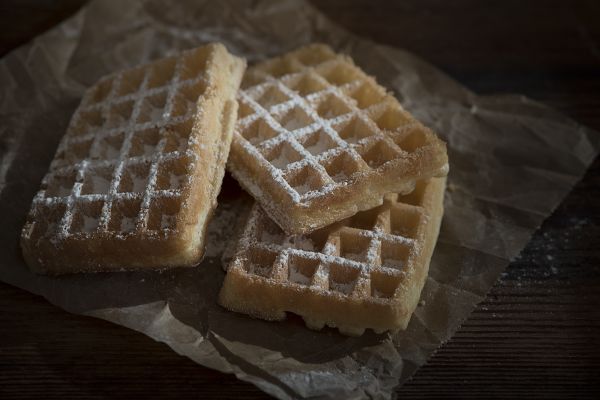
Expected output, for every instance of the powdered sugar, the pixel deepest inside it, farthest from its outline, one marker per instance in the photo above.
(329, 114)
(128, 125)
(303, 188)
(353, 253)
(298, 277)
(270, 237)
(392, 263)
(380, 294)
(283, 158)
(360, 256)
(293, 124)
(222, 227)
(258, 269)
(300, 242)
(304, 243)
(295, 118)
(340, 177)
(345, 288)
(319, 146)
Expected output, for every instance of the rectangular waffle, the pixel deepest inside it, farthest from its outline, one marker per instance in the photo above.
(135, 178)
(364, 272)
(318, 140)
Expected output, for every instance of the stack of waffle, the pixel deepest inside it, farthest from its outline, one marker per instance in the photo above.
(348, 185)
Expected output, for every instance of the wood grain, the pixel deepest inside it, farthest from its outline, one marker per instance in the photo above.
(535, 335)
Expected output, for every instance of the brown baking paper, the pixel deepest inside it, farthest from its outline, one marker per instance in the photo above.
(512, 161)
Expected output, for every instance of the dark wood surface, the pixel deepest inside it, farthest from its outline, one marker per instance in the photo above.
(535, 335)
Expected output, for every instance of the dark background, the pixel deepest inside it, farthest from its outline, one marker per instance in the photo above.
(537, 333)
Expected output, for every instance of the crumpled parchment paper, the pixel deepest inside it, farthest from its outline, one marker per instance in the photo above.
(512, 161)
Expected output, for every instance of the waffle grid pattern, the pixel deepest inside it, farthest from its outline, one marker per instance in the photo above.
(315, 122)
(368, 258)
(128, 152)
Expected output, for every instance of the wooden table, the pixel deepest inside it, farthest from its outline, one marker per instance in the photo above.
(535, 335)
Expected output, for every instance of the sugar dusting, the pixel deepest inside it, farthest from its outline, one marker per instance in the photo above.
(299, 242)
(271, 98)
(340, 177)
(356, 256)
(360, 257)
(329, 114)
(282, 159)
(345, 288)
(293, 123)
(378, 293)
(303, 188)
(296, 123)
(221, 228)
(257, 269)
(392, 263)
(271, 237)
(337, 125)
(539, 259)
(320, 145)
(303, 243)
(115, 143)
(298, 277)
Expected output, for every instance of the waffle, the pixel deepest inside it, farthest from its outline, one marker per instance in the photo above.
(135, 178)
(318, 140)
(364, 272)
